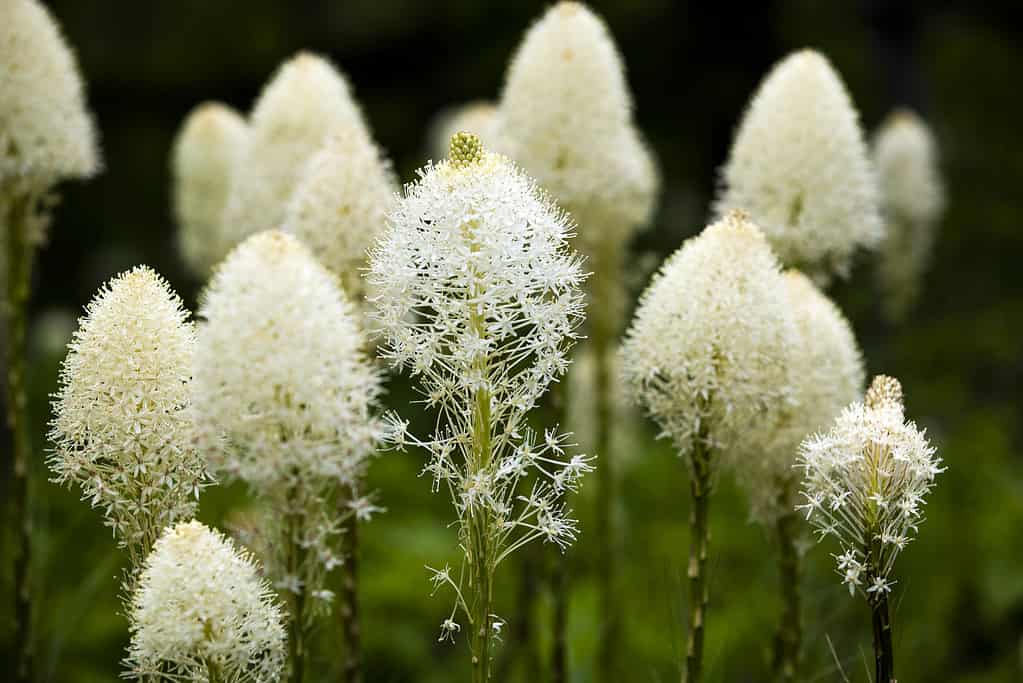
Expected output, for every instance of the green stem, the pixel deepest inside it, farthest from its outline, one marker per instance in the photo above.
(699, 539)
(884, 654)
(296, 563)
(789, 637)
(352, 667)
(19, 269)
(559, 654)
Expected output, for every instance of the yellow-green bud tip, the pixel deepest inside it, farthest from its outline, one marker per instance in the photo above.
(464, 149)
(884, 389)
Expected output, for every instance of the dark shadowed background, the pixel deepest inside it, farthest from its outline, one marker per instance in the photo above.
(692, 67)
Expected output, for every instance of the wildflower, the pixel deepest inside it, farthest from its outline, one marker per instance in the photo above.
(472, 242)
(122, 430)
(912, 200)
(799, 166)
(201, 613)
(205, 162)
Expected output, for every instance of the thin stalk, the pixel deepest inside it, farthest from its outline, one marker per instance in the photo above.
(699, 539)
(559, 652)
(352, 667)
(789, 637)
(884, 654)
(19, 269)
(296, 562)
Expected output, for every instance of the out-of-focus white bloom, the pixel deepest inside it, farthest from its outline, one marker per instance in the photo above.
(865, 483)
(121, 427)
(284, 392)
(202, 613)
(707, 353)
(826, 374)
(341, 202)
(46, 133)
(205, 160)
(304, 102)
(479, 295)
(566, 117)
(913, 201)
(476, 117)
(799, 166)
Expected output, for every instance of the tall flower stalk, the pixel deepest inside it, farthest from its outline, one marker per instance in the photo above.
(478, 295)
(707, 357)
(46, 136)
(864, 484)
(566, 116)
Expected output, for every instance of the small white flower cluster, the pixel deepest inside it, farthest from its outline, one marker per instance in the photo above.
(479, 295)
(799, 166)
(284, 392)
(341, 202)
(203, 613)
(565, 116)
(826, 374)
(46, 133)
(205, 160)
(865, 483)
(122, 429)
(707, 351)
(303, 103)
(913, 201)
(476, 117)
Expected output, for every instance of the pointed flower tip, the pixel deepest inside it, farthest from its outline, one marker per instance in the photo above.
(465, 149)
(884, 390)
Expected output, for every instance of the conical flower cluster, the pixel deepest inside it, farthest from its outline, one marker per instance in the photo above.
(340, 204)
(202, 612)
(46, 133)
(566, 117)
(122, 430)
(913, 200)
(707, 352)
(205, 161)
(799, 166)
(865, 482)
(826, 374)
(304, 101)
(476, 117)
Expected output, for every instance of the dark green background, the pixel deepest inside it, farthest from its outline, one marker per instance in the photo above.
(959, 602)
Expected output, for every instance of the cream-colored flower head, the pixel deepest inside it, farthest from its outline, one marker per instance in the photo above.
(913, 201)
(202, 612)
(566, 117)
(707, 353)
(864, 482)
(826, 373)
(280, 370)
(206, 155)
(476, 117)
(799, 167)
(304, 101)
(121, 428)
(340, 204)
(46, 132)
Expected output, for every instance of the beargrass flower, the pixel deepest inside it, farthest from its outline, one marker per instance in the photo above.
(707, 357)
(912, 200)
(799, 166)
(202, 613)
(122, 430)
(205, 162)
(479, 296)
(865, 483)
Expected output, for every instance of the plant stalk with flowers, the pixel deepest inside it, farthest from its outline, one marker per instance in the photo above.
(479, 295)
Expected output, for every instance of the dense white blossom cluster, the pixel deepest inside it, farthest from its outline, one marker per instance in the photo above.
(341, 202)
(202, 613)
(476, 117)
(479, 296)
(46, 133)
(799, 166)
(826, 374)
(122, 430)
(205, 161)
(565, 116)
(284, 394)
(304, 102)
(913, 200)
(707, 352)
(865, 482)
